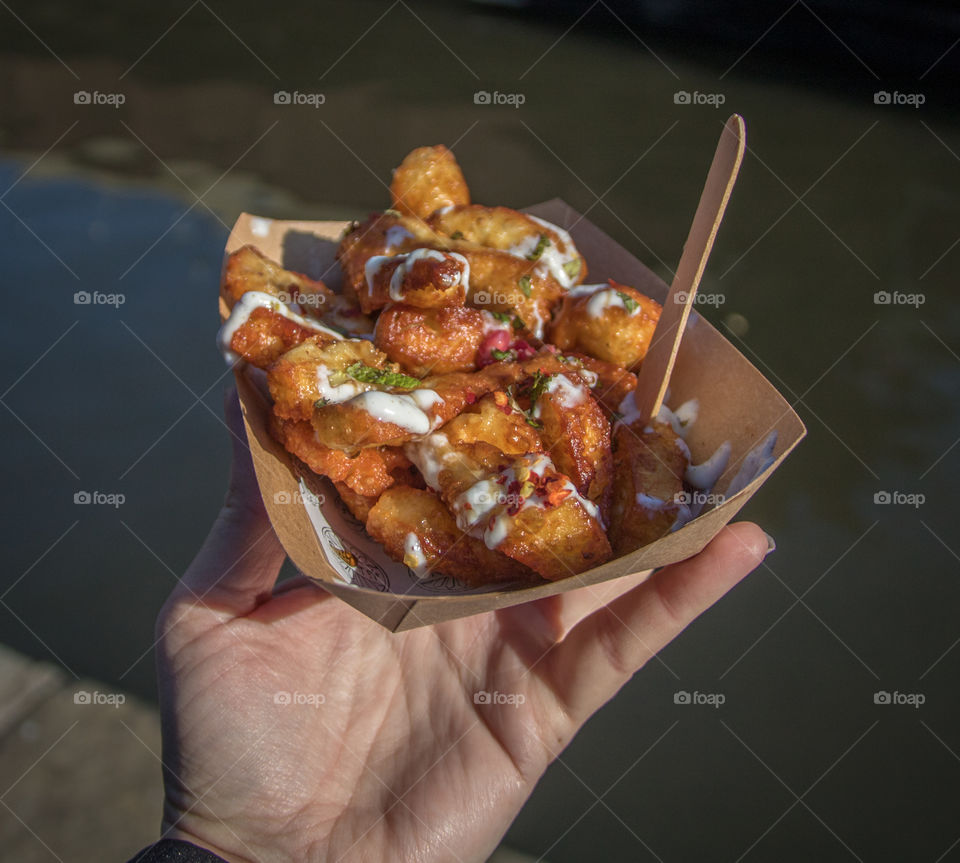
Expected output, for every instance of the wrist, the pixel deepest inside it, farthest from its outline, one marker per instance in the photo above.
(181, 835)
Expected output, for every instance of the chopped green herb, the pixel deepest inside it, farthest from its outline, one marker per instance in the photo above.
(532, 422)
(629, 303)
(320, 403)
(456, 235)
(518, 325)
(502, 356)
(524, 283)
(383, 377)
(396, 213)
(572, 268)
(538, 387)
(539, 249)
(503, 317)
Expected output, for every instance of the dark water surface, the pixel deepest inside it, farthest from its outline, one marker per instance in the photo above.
(839, 198)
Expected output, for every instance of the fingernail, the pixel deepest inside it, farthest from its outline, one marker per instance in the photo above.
(771, 543)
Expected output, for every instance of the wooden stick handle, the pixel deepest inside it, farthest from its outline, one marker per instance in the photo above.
(654, 378)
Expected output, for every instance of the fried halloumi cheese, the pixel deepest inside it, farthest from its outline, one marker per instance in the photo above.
(386, 233)
(384, 416)
(576, 433)
(315, 371)
(266, 334)
(520, 234)
(519, 505)
(501, 282)
(416, 528)
(425, 278)
(248, 270)
(612, 322)
(613, 382)
(649, 464)
(435, 341)
(368, 474)
(428, 179)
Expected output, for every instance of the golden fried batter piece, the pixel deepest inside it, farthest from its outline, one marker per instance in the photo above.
(495, 422)
(368, 474)
(314, 370)
(416, 528)
(427, 179)
(434, 341)
(648, 479)
(613, 381)
(521, 506)
(510, 230)
(613, 322)
(425, 278)
(557, 541)
(386, 233)
(358, 504)
(384, 418)
(404, 475)
(266, 335)
(249, 270)
(576, 433)
(501, 282)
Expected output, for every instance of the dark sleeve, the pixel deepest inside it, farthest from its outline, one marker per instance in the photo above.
(175, 851)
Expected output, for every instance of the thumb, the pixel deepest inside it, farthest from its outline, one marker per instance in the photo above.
(240, 560)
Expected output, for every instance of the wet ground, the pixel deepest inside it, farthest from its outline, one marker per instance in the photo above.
(844, 202)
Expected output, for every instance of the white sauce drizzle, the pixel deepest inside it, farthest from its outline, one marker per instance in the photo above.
(396, 235)
(407, 410)
(602, 297)
(483, 509)
(372, 267)
(682, 417)
(413, 555)
(754, 463)
(376, 262)
(492, 324)
(701, 476)
(628, 410)
(586, 290)
(551, 258)
(651, 503)
(568, 394)
(430, 455)
(245, 306)
(705, 475)
(334, 394)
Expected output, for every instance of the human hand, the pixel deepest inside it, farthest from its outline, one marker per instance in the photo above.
(382, 752)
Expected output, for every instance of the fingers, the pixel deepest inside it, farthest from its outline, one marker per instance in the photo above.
(609, 646)
(548, 620)
(237, 566)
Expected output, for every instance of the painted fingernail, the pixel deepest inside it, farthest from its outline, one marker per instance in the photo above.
(771, 543)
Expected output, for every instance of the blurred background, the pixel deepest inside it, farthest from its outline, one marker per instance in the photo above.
(131, 138)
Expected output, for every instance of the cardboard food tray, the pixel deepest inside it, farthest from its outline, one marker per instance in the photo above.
(329, 546)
